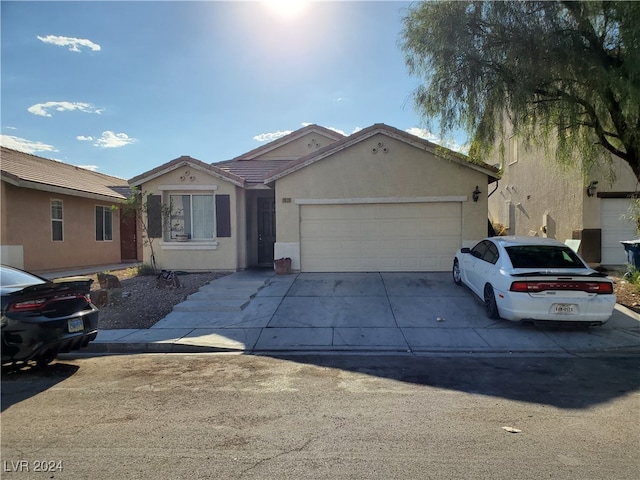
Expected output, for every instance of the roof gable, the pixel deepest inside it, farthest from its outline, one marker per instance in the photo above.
(270, 150)
(30, 171)
(192, 163)
(380, 128)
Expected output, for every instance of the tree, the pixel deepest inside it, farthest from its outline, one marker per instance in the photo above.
(565, 74)
(151, 217)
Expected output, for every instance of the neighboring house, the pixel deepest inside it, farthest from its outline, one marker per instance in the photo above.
(57, 216)
(377, 200)
(536, 196)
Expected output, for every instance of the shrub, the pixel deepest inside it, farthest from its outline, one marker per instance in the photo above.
(146, 270)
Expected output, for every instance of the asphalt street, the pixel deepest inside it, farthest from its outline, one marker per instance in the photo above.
(384, 416)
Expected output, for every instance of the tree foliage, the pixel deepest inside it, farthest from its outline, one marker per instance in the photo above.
(565, 74)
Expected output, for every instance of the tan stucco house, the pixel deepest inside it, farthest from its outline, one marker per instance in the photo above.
(535, 196)
(377, 200)
(57, 216)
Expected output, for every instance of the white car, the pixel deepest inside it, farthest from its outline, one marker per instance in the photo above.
(537, 279)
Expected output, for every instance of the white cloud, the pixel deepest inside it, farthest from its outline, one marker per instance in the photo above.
(93, 168)
(268, 137)
(427, 135)
(82, 138)
(114, 140)
(24, 145)
(74, 44)
(42, 109)
(423, 133)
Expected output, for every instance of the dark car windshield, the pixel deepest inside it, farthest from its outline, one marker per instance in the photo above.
(16, 278)
(543, 256)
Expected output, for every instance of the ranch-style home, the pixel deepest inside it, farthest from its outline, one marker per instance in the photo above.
(377, 200)
(56, 216)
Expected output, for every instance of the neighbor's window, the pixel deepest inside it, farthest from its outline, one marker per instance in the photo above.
(104, 224)
(513, 150)
(56, 220)
(192, 215)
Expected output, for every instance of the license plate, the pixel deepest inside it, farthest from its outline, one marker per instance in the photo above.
(75, 325)
(565, 308)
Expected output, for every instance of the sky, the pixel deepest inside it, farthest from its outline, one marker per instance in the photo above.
(122, 87)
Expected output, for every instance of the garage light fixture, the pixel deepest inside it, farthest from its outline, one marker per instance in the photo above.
(476, 194)
(591, 189)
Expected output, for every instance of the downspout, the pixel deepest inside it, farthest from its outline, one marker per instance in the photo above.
(494, 190)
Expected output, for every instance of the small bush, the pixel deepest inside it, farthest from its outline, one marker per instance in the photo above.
(145, 270)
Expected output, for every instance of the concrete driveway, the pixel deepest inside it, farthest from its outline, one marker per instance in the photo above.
(424, 312)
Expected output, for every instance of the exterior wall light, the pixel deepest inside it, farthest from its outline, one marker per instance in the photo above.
(591, 189)
(476, 194)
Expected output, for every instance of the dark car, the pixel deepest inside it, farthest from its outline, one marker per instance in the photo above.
(41, 318)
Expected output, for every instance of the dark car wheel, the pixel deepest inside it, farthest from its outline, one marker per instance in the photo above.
(490, 305)
(457, 278)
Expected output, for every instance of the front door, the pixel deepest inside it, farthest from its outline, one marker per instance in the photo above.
(266, 230)
(128, 237)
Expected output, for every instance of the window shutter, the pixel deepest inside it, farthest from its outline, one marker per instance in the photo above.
(154, 214)
(223, 216)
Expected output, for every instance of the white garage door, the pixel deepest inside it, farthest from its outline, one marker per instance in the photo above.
(379, 237)
(614, 229)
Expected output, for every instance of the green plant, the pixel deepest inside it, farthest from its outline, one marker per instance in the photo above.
(146, 270)
(139, 207)
(633, 213)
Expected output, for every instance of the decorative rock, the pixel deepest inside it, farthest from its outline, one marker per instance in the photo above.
(108, 281)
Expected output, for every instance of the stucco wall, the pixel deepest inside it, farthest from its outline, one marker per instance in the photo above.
(357, 172)
(534, 186)
(26, 222)
(533, 191)
(304, 145)
(223, 253)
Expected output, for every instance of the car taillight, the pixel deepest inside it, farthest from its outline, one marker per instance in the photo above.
(41, 303)
(542, 286)
(28, 305)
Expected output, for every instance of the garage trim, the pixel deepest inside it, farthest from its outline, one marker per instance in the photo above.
(354, 201)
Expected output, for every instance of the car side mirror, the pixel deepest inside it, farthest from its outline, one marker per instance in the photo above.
(465, 250)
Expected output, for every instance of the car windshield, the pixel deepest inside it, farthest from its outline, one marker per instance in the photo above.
(15, 278)
(543, 256)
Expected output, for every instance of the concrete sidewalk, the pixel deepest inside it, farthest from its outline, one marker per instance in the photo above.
(421, 313)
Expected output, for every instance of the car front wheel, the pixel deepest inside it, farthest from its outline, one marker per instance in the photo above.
(490, 305)
(457, 278)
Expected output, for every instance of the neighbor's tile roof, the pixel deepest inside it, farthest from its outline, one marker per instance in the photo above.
(30, 171)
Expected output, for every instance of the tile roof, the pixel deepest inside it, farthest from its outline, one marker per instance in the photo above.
(253, 171)
(30, 171)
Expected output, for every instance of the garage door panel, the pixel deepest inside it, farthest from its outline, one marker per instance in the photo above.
(615, 228)
(380, 237)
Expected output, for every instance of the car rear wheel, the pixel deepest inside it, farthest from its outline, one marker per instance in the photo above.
(490, 305)
(457, 278)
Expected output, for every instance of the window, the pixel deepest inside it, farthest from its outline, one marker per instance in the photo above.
(193, 216)
(513, 150)
(104, 224)
(543, 256)
(56, 220)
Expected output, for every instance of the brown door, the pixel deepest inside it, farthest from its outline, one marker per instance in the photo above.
(128, 237)
(266, 230)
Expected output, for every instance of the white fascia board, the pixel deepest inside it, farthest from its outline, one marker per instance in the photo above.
(371, 200)
(199, 188)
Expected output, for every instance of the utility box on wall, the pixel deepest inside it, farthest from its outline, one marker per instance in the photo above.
(591, 244)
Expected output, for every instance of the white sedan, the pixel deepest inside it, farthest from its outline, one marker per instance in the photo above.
(531, 278)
